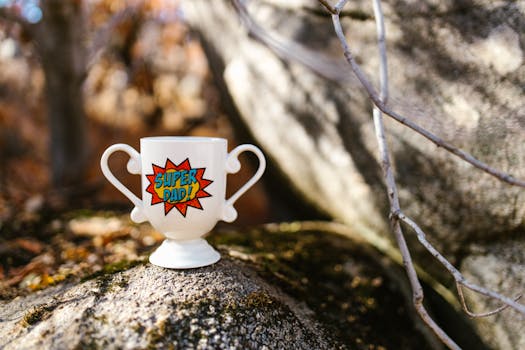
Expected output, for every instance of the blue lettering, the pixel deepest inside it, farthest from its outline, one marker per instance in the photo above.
(183, 178)
(173, 197)
(174, 177)
(167, 177)
(158, 180)
(192, 178)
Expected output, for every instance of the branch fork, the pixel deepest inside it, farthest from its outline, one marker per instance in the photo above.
(396, 215)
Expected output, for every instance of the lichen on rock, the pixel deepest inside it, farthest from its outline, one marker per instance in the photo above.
(221, 306)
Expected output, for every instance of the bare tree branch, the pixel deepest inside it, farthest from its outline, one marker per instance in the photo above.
(381, 43)
(417, 290)
(458, 277)
(482, 314)
(334, 9)
(288, 50)
(328, 6)
(396, 215)
(372, 94)
(295, 54)
(395, 210)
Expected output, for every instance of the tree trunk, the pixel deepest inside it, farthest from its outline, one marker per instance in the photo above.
(59, 40)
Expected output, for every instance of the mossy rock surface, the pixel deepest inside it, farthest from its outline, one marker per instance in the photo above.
(351, 288)
(222, 306)
(274, 290)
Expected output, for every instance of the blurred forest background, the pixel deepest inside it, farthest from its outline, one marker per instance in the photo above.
(76, 77)
(79, 75)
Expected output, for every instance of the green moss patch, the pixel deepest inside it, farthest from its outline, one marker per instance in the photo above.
(256, 321)
(37, 314)
(342, 281)
(111, 269)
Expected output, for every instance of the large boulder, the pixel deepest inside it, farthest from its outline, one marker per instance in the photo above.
(285, 286)
(499, 267)
(220, 307)
(455, 69)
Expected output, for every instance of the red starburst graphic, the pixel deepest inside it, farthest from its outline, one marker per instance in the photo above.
(177, 186)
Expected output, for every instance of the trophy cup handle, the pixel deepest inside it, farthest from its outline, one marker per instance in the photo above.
(229, 214)
(134, 167)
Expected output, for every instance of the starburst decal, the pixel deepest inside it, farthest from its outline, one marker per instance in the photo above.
(177, 186)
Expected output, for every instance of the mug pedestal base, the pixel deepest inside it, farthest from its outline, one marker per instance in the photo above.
(173, 254)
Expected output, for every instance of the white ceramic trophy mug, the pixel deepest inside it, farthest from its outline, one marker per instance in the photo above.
(183, 192)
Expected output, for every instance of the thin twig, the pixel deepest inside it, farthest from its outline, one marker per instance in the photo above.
(458, 277)
(417, 290)
(396, 215)
(481, 314)
(372, 94)
(328, 6)
(339, 6)
(381, 43)
(276, 45)
(291, 51)
(334, 10)
(396, 212)
(390, 182)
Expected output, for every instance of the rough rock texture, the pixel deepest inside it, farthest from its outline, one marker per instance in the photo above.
(279, 287)
(219, 307)
(500, 267)
(456, 68)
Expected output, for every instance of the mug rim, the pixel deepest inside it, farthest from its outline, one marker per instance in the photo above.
(183, 138)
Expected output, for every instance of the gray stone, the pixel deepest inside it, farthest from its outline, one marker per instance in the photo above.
(501, 268)
(219, 307)
(456, 68)
(299, 285)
